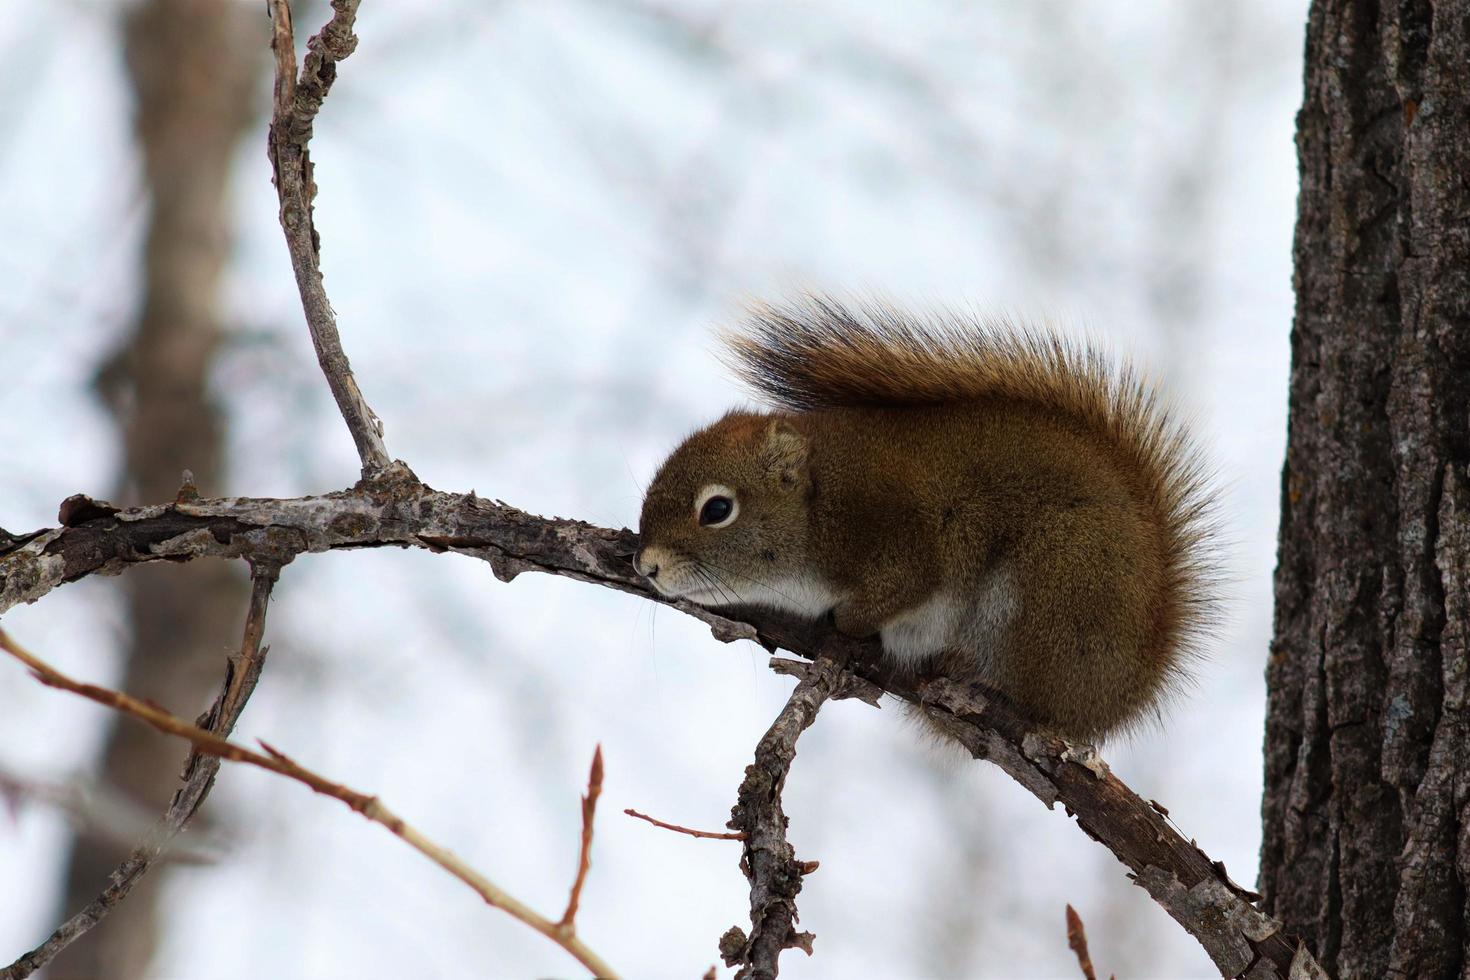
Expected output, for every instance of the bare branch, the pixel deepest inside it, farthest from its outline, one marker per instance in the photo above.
(584, 857)
(218, 747)
(768, 859)
(241, 673)
(706, 834)
(396, 510)
(296, 105)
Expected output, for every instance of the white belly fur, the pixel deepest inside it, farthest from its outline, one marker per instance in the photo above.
(947, 621)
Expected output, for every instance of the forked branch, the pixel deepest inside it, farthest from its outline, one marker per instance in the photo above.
(397, 511)
(391, 508)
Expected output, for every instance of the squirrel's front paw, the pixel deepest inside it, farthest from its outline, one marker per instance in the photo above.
(852, 621)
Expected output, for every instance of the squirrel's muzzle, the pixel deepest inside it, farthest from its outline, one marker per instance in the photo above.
(648, 569)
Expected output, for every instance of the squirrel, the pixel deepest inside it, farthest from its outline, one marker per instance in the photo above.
(995, 502)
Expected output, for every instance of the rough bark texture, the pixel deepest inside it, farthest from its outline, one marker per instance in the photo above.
(767, 857)
(1366, 841)
(192, 64)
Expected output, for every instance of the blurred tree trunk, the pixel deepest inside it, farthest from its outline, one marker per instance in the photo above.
(1366, 848)
(193, 66)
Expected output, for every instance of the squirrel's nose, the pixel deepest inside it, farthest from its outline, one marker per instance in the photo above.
(644, 569)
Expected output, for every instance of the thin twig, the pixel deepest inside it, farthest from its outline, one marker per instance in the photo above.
(241, 673)
(212, 744)
(707, 834)
(1077, 939)
(768, 860)
(296, 104)
(584, 856)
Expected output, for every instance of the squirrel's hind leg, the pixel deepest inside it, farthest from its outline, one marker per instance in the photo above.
(1075, 657)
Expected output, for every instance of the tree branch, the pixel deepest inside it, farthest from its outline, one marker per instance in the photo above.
(767, 858)
(296, 105)
(393, 511)
(688, 831)
(584, 856)
(241, 673)
(396, 510)
(217, 747)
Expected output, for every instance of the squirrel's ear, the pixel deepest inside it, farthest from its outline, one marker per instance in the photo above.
(785, 452)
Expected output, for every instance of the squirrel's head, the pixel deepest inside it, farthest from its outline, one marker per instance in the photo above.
(725, 518)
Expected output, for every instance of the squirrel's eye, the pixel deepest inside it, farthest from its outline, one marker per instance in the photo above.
(716, 510)
(716, 505)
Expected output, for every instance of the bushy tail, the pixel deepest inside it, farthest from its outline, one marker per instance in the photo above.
(822, 353)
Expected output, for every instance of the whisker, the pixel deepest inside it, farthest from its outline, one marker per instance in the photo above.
(640, 484)
(711, 570)
(719, 584)
(755, 581)
(704, 580)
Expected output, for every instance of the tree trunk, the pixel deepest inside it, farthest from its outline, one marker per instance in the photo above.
(193, 66)
(1366, 848)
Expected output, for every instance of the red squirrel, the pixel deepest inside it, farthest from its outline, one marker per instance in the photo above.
(998, 504)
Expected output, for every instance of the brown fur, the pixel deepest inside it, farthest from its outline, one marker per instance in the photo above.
(1004, 473)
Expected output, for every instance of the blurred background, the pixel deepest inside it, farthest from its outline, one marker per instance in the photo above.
(532, 214)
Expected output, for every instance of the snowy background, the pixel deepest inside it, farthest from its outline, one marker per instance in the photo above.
(532, 213)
